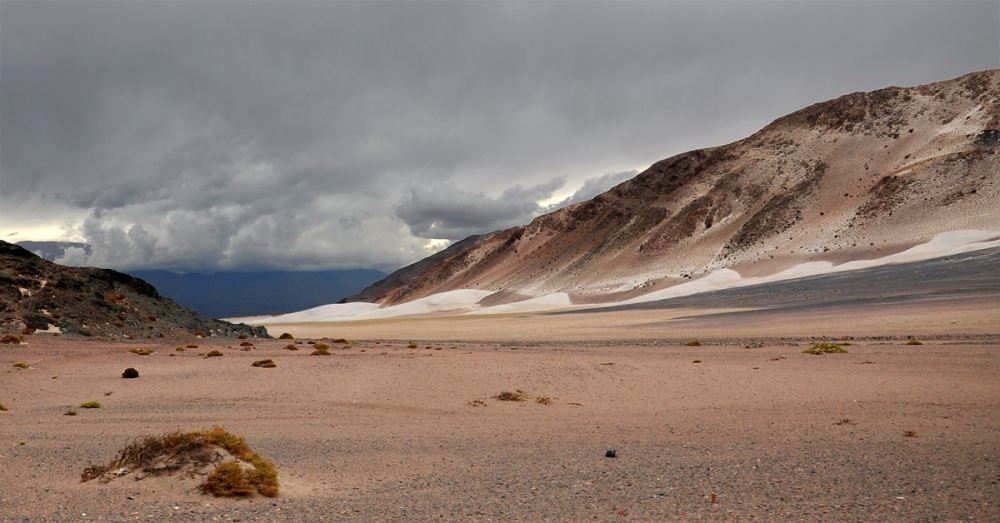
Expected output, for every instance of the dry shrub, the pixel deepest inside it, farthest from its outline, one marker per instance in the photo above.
(321, 346)
(693, 343)
(27, 331)
(11, 339)
(910, 434)
(914, 342)
(21, 365)
(286, 336)
(3, 407)
(411, 345)
(320, 352)
(543, 400)
(846, 421)
(214, 354)
(69, 412)
(246, 344)
(825, 348)
(696, 361)
(196, 449)
(340, 340)
(242, 337)
(141, 352)
(199, 334)
(291, 346)
(191, 346)
(267, 364)
(510, 396)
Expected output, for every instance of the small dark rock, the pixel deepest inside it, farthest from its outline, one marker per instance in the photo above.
(610, 453)
(130, 373)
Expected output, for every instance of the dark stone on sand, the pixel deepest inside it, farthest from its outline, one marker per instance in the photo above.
(130, 373)
(610, 453)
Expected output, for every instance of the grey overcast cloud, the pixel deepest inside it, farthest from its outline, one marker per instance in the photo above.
(200, 136)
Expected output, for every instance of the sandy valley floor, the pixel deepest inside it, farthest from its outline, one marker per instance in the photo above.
(382, 432)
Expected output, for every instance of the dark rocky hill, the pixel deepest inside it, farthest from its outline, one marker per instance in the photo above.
(41, 295)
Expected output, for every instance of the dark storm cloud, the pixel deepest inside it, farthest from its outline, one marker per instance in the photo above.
(333, 134)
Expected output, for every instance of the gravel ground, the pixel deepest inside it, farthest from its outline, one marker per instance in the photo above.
(381, 432)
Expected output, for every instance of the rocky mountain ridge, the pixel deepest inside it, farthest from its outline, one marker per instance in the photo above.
(858, 177)
(38, 295)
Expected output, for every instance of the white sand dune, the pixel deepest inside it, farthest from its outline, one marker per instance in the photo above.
(465, 301)
(455, 302)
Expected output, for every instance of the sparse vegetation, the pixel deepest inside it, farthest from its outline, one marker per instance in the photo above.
(914, 342)
(321, 346)
(268, 363)
(91, 405)
(693, 343)
(180, 349)
(543, 400)
(27, 331)
(341, 341)
(320, 352)
(411, 345)
(242, 337)
(846, 421)
(214, 354)
(199, 334)
(197, 450)
(70, 412)
(191, 346)
(910, 434)
(246, 344)
(696, 361)
(141, 352)
(825, 348)
(291, 346)
(21, 365)
(510, 396)
(286, 336)
(3, 407)
(11, 339)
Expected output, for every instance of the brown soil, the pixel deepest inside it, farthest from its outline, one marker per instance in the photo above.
(382, 432)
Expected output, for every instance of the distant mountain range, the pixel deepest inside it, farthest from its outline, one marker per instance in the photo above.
(236, 294)
(855, 178)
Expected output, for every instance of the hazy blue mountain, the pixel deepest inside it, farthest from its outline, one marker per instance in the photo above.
(233, 294)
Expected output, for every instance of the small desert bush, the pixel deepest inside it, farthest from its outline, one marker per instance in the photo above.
(199, 334)
(3, 407)
(196, 448)
(510, 396)
(291, 346)
(846, 421)
(242, 337)
(180, 349)
(914, 342)
(191, 346)
(141, 352)
(27, 331)
(70, 412)
(341, 341)
(910, 434)
(696, 361)
(320, 352)
(693, 343)
(286, 336)
(21, 365)
(91, 405)
(321, 346)
(246, 344)
(11, 339)
(411, 345)
(267, 364)
(543, 400)
(214, 354)
(825, 348)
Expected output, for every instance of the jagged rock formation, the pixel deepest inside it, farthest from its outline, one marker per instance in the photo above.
(38, 294)
(858, 177)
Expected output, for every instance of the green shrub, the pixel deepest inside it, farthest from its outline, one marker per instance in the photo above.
(21, 365)
(91, 405)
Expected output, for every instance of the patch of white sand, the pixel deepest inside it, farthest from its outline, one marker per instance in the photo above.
(455, 302)
(557, 300)
(465, 301)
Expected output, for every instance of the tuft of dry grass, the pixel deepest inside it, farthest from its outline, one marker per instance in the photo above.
(180, 349)
(291, 346)
(214, 354)
(141, 352)
(267, 364)
(320, 352)
(246, 344)
(286, 336)
(693, 343)
(510, 396)
(543, 400)
(321, 346)
(910, 434)
(191, 346)
(696, 361)
(11, 339)
(846, 421)
(342, 341)
(233, 478)
(27, 331)
(91, 405)
(3, 408)
(241, 337)
(70, 412)
(411, 345)
(21, 365)
(914, 342)
(199, 334)
(825, 348)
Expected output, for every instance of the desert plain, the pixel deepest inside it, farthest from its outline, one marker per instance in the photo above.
(402, 422)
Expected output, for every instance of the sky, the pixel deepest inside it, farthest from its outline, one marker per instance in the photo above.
(211, 136)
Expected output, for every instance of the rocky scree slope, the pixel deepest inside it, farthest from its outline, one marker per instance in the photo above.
(39, 294)
(858, 177)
